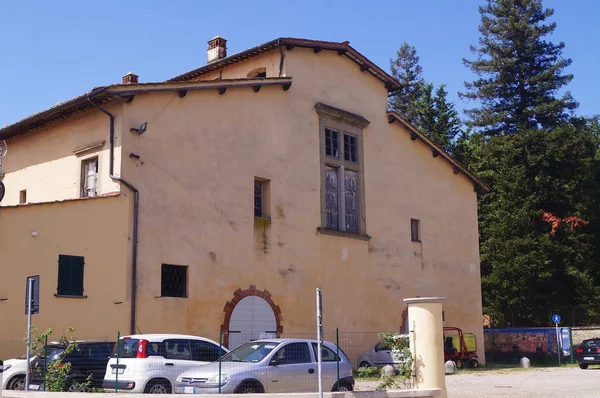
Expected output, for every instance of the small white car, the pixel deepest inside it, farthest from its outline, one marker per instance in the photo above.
(13, 375)
(379, 356)
(150, 363)
(270, 366)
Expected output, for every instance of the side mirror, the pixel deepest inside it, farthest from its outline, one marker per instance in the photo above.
(278, 361)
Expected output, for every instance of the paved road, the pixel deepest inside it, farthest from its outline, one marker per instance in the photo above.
(530, 383)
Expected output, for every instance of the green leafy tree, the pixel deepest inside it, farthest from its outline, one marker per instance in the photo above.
(406, 69)
(519, 71)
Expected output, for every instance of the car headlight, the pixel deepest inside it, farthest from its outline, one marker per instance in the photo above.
(215, 379)
(6, 367)
(178, 380)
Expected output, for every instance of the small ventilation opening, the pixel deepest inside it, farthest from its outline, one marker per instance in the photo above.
(257, 73)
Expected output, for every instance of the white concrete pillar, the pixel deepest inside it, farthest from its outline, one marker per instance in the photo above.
(426, 332)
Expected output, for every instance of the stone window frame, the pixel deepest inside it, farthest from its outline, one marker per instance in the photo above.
(353, 124)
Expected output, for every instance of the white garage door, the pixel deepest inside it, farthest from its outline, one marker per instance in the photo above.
(252, 318)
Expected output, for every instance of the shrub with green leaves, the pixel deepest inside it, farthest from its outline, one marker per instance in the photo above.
(400, 348)
(368, 372)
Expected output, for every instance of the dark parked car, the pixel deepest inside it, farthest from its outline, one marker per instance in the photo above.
(88, 358)
(588, 353)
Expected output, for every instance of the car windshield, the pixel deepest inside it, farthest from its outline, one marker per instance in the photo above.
(250, 352)
(54, 353)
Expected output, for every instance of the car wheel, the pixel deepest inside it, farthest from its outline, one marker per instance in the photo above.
(459, 363)
(17, 383)
(342, 387)
(583, 366)
(249, 387)
(159, 386)
(364, 364)
(473, 363)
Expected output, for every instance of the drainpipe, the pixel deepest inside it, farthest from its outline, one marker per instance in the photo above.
(282, 57)
(136, 202)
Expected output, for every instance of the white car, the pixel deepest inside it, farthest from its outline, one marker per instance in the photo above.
(271, 366)
(150, 363)
(380, 355)
(13, 374)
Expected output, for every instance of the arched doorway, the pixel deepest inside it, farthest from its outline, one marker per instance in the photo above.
(250, 315)
(252, 318)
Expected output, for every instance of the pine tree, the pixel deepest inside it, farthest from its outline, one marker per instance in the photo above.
(406, 69)
(436, 117)
(519, 72)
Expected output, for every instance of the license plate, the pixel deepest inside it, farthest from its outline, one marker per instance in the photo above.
(189, 390)
(121, 371)
(34, 387)
(588, 358)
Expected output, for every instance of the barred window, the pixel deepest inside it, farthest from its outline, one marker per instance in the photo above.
(173, 281)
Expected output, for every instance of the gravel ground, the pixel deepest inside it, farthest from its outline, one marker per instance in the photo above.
(530, 383)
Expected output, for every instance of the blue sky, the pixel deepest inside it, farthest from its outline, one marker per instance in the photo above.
(51, 51)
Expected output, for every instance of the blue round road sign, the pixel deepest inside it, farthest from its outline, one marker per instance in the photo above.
(556, 318)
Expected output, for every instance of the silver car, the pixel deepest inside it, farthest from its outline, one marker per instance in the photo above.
(380, 355)
(271, 366)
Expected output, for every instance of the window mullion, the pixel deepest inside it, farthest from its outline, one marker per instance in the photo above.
(341, 198)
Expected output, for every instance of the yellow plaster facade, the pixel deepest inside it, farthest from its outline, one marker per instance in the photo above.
(196, 169)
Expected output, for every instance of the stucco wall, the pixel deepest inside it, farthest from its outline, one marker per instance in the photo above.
(43, 163)
(198, 161)
(94, 228)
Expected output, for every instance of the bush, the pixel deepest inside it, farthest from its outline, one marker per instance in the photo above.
(368, 372)
(401, 348)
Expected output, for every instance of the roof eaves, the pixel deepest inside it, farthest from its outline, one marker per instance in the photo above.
(480, 186)
(342, 48)
(55, 113)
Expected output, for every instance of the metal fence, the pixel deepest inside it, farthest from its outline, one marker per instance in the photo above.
(189, 364)
(572, 316)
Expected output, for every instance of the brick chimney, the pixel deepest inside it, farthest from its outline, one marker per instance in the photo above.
(130, 78)
(217, 48)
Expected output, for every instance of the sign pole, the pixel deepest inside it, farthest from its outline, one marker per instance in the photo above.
(557, 343)
(320, 339)
(556, 320)
(28, 354)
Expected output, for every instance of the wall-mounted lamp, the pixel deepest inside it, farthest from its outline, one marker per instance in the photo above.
(141, 130)
(34, 233)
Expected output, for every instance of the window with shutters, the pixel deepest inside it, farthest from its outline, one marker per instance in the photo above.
(173, 281)
(89, 177)
(342, 185)
(70, 276)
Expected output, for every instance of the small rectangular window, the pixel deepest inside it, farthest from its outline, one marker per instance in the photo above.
(415, 230)
(332, 144)
(23, 197)
(70, 275)
(350, 148)
(258, 199)
(173, 281)
(262, 197)
(89, 177)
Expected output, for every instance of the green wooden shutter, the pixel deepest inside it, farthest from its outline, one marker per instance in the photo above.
(70, 275)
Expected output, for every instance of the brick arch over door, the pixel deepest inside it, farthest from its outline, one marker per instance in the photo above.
(238, 296)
